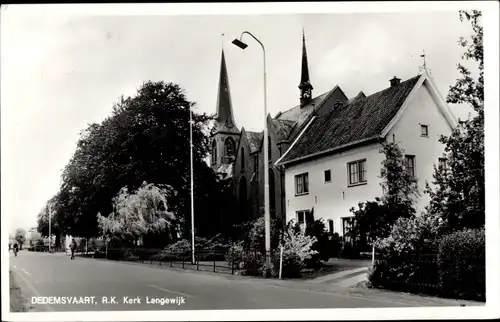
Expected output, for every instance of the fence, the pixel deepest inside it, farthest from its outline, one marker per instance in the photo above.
(428, 274)
(228, 261)
(45, 248)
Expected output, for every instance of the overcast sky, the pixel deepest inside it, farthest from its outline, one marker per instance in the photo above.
(61, 72)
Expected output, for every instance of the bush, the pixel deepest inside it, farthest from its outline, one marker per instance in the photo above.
(235, 255)
(349, 251)
(297, 250)
(181, 246)
(411, 234)
(461, 264)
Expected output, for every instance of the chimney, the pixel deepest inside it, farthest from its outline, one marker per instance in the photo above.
(395, 81)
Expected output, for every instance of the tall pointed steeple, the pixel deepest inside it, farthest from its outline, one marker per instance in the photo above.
(225, 117)
(305, 84)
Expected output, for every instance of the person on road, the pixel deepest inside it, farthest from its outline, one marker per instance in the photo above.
(16, 249)
(73, 248)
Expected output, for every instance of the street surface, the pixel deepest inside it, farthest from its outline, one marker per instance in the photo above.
(92, 282)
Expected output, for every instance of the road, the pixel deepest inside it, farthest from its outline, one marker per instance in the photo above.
(44, 275)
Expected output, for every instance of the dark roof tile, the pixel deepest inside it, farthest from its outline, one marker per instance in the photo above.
(363, 118)
(254, 139)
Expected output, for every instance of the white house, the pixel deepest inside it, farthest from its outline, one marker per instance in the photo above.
(335, 162)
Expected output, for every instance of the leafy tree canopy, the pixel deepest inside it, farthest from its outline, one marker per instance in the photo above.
(458, 194)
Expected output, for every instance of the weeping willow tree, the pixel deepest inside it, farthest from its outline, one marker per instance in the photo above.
(139, 213)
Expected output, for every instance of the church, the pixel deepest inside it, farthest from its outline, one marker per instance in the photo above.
(324, 153)
(237, 155)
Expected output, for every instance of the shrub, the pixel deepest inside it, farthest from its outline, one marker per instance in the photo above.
(322, 245)
(297, 250)
(349, 250)
(235, 255)
(411, 234)
(461, 263)
(181, 246)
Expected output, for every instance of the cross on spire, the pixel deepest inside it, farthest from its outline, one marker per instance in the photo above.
(423, 67)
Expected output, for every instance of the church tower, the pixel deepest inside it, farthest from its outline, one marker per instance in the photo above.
(225, 134)
(305, 84)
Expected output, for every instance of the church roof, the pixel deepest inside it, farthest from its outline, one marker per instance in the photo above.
(254, 139)
(283, 128)
(360, 95)
(364, 118)
(301, 114)
(225, 118)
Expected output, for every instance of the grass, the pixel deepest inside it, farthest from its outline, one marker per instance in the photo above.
(17, 301)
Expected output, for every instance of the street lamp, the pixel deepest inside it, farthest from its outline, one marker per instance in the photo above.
(192, 182)
(239, 43)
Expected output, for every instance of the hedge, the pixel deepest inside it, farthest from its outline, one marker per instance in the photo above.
(455, 270)
(461, 265)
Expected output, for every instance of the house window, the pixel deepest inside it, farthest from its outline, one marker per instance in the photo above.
(424, 130)
(442, 163)
(330, 225)
(346, 228)
(328, 176)
(214, 152)
(303, 217)
(410, 164)
(256, 163)
(302, 183)
(357, 172)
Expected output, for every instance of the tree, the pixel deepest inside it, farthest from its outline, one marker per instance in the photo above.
(373, 220)
(57, 220)
(458, 195)
(138, 214)
(20, 237)
(145, 139)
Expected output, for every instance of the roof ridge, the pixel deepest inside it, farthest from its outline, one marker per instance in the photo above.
(291, 108)
(391, 87)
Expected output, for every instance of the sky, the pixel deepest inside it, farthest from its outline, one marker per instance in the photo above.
(61, 72)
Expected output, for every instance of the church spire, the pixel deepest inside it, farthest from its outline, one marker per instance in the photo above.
(225, 115)
(305, 84)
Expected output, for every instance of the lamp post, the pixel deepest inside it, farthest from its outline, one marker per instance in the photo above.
(192, 183)
(267, 219)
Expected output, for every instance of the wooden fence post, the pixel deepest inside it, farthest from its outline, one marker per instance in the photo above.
(281, 260)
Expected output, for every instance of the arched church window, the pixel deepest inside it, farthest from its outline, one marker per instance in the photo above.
(272, 198)
(214, 151)
(242, 158)
(230, 147)
(269, 147)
